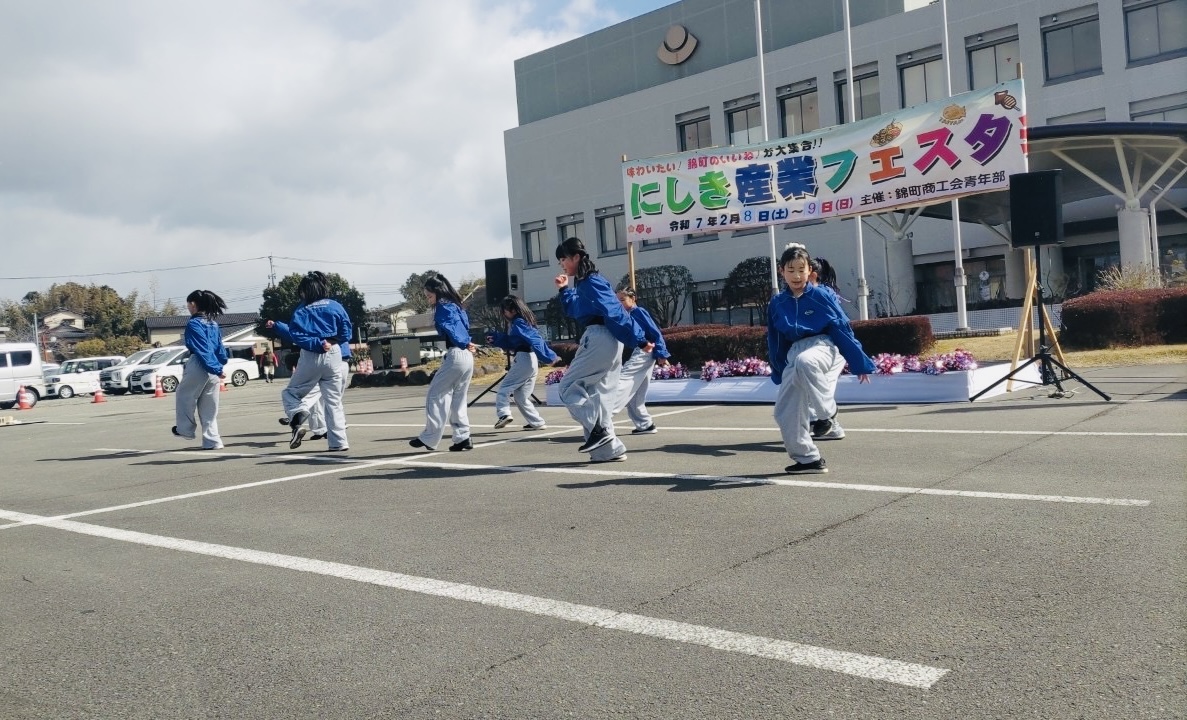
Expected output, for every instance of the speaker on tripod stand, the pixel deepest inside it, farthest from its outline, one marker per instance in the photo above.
(1036, 219)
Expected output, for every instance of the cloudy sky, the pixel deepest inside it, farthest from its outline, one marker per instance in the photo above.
(363, 137)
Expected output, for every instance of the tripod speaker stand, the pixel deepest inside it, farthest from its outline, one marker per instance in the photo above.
(1048, 364)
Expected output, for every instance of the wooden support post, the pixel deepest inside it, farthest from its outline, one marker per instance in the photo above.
(1025, 332)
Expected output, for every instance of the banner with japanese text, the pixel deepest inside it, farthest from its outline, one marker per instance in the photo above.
(962, 145)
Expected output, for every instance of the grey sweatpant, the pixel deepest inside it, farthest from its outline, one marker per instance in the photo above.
(518, 384)
(325, 374)
(590, 384)
(446, 401)
(633, 382)
(809, 381)
(198, 391)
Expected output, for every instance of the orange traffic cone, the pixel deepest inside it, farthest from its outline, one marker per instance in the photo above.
(23, 401)
(99, 397)
(160, 391)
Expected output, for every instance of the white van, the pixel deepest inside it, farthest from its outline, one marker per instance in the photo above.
(20, 364)
(80, 375)
(115, 378)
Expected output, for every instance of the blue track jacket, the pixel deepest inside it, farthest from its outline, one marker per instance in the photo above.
(522, 337)
(323, 319)
(205, 341)
(651, 332)
(452, 323)
(816, 312)
(593, 299)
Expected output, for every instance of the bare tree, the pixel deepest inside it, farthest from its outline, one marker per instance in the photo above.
(663, 290)
(749, 285)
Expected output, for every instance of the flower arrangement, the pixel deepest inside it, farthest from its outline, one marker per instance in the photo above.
(890, 364)
(749, 367)
(886, 364)
(671, 371)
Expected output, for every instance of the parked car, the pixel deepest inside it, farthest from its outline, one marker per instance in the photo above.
(20, 365)
(148, 368)
(237, 370)
(48, 369)
(114, 379)
(80, 375)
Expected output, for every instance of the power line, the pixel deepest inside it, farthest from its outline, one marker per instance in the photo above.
(131, 272)
(371, 262)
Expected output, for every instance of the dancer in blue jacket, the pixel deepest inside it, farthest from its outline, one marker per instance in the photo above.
(808, 340)
(446, 400)
(825, 426)
(635, 377)
(590, 383)
(322, 329)
(199, 386)
(523, 340)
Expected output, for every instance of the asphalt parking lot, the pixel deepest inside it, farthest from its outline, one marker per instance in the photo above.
(1018, 557)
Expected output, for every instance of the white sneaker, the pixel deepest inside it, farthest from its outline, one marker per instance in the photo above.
(502, 422)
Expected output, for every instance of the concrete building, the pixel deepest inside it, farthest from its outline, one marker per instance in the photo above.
(1106, 92)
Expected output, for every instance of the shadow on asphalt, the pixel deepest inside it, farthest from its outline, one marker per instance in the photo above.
(676, 484)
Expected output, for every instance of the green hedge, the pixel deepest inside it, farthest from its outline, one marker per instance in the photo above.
(692, 345)
(1124, 318)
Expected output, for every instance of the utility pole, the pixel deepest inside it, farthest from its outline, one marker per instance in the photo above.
(271, 273)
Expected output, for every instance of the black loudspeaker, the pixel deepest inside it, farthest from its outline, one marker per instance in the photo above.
(503, 278)
(1036, 208)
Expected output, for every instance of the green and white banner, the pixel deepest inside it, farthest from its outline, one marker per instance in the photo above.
(962, 145)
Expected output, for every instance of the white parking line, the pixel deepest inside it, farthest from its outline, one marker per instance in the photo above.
(33, 519)
(896, 489)
(928, 431)
(865, 666)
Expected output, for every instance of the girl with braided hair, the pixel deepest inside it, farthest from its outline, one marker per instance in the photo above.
(198, 390)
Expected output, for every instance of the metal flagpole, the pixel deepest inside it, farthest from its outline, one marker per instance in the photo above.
(863, 289)
(962, 310)
(762, 110)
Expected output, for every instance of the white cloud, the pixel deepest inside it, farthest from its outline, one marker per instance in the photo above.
(140, 134)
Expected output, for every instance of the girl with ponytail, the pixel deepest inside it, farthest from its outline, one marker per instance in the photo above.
(198, 390)
(590, 384)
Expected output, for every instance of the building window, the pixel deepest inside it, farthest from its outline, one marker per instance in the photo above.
(744, 118)
(935, 290)
(869, 104)
(1071, 49)
(799, 110)
(1168, 108)
(570, 226)
(993, 63)
(1084, 264)
(921, 78)
(611, 230)
(1155, 30)
(694, 131)
(534, 243)
(655, 243)
(1084, 116)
